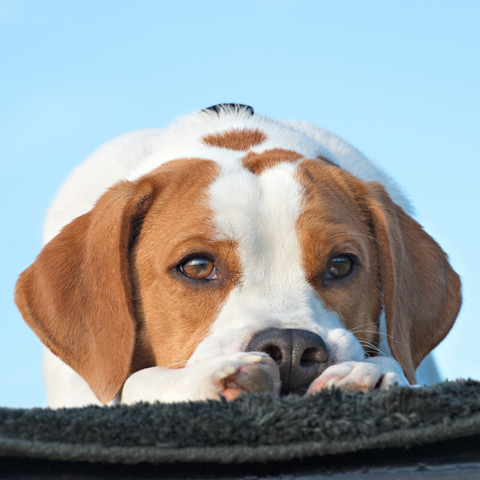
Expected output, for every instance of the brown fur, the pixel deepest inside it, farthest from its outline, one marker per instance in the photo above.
(174, 312)
(330, 224)
(239, 139)
(327, 161)
(258, 162)
(399, 262)
(422, 293)
(77, 295)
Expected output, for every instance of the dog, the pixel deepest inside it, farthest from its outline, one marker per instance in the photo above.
(232, 253)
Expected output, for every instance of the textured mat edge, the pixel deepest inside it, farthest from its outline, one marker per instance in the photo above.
(237, 454)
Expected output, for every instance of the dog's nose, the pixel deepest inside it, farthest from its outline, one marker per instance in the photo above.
(301, 356)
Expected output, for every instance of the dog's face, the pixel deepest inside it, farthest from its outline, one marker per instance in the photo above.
(267, 245)
(194, 260)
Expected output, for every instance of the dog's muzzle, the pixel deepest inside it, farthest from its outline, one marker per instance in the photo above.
(301, 356)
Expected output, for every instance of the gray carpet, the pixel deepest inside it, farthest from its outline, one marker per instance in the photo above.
(249, 429)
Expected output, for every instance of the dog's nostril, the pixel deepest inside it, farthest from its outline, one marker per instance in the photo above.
(301, 356)
(313, 356)
(274, 352)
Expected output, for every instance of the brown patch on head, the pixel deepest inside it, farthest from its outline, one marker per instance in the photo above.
(175, 312)
(106, 289)
(239, 139)
(258, 162)
(399, 266)
(332, 224)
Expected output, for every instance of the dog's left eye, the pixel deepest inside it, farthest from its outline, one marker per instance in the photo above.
(199, 267)
(340, 267)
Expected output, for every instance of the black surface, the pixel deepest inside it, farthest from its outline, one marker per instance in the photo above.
(433, 432)
(459, 458)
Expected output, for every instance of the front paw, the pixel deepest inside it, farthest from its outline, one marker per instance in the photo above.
(249, 372)
(355, 376)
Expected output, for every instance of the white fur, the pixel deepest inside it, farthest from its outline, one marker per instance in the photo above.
(259, 212)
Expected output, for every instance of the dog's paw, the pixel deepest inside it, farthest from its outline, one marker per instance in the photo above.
(227, 376)
(245, 372)
(355, 376)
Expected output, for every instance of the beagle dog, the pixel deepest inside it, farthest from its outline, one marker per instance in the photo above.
(232, 253)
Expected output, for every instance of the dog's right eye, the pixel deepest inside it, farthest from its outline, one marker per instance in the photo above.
(199, 267)
(340, 267)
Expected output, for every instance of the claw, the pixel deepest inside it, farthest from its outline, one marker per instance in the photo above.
(225, 372)
(368, 381)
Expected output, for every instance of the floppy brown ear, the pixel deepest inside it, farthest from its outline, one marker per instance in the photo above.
(421, 291)
(76, 296)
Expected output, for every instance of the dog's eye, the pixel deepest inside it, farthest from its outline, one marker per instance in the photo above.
(340, 267)
(199, 267)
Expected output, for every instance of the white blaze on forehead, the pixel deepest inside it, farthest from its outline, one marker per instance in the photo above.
(260, 213)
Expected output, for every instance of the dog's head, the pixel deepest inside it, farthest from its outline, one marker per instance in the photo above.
(197, 259)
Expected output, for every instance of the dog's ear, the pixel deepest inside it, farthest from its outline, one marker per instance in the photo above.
(77, 297)
(421, 291)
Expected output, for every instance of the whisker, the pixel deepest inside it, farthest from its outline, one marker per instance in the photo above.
(177, 363)
(373, 347)
(369, 344)
(356, 330)
(361, 326)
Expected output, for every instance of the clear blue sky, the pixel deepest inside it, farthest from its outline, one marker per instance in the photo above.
(399, 80)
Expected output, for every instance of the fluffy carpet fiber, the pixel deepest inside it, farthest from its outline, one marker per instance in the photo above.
(249, 429)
